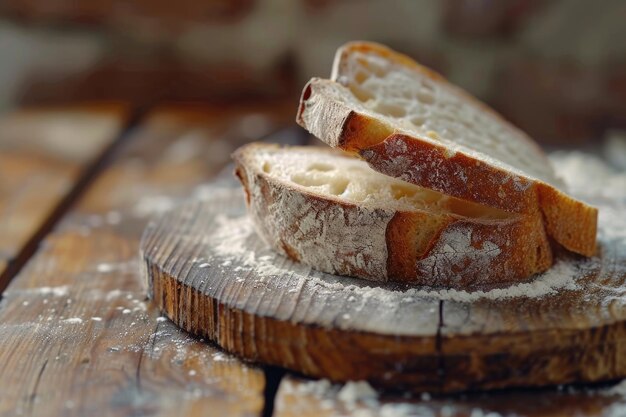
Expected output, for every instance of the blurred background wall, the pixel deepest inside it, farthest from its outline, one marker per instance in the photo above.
(557, 68)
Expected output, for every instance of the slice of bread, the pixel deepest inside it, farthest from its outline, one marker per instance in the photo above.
(408, 122)
(332, 212)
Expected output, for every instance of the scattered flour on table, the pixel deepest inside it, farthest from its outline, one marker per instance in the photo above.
(355, 391)
(59, 291)
(74, 320)
(559, 277)
(113, 294)
(113, 217)
(229, 241)
(104, 267)
(153, 204)
(350, 395)
(230, 236)
(318, 388)
(129, 266)
(588, 175)
(358, 398)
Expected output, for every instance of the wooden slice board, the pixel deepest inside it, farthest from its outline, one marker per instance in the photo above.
(211, 274)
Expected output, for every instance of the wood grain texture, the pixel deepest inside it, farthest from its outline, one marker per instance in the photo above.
(305, 398)
(79, 337)
(212, 275)
(42, 154)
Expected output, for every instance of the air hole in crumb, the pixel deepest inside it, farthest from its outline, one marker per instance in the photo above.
(361, 77)
(339, 186)
(467, 123)
(389, 109)
(319, 166)
(473, 210)
(450, 132)
(427, 85)
(267, 167)
(359, 169)
(308, 180)
(377, 67)
(336, 186)
(418, 121)
(401, 191)
(425, 97)
(361, 94)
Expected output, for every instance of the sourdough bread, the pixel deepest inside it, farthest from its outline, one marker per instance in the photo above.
(334, 213)
(408, 122)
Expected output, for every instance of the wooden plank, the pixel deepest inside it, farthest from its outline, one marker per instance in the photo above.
(299, 397)
(80, 337)
(42, 154)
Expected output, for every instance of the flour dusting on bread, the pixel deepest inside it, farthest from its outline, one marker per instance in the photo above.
(455, 253)
(345, 240)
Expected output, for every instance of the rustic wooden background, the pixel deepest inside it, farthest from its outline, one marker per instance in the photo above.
(77, 334)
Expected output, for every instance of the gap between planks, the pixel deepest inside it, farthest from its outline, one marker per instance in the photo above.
(84, 180)
(273, 377)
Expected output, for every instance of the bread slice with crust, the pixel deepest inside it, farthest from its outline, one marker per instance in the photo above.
(329, 210)
(408, 122)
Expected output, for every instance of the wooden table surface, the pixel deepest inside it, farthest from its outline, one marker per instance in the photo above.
(78, 336)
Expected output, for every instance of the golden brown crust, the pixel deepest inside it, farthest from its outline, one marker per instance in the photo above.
(437, 249)
(409, 241)
(570, 222)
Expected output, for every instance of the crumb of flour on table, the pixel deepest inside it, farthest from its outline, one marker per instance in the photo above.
(355, 391)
